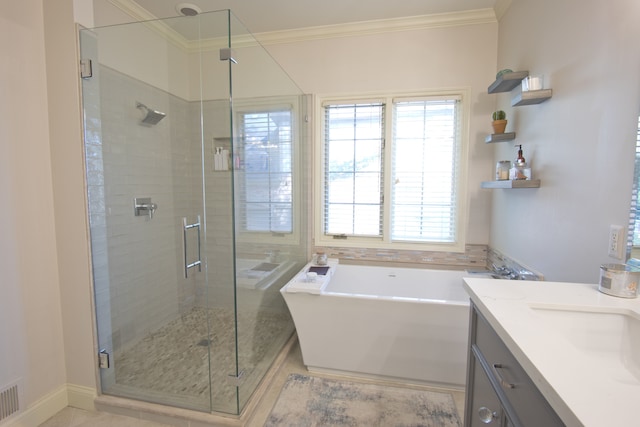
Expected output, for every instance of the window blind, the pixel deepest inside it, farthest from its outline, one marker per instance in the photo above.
(635, 196)
(425, 164)
(353, 168)
(417, 200)
(266, 203)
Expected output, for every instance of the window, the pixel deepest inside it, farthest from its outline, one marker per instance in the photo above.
(392, 172)
(353, 169)
(265, 179)
(634, 228)
(424, 167)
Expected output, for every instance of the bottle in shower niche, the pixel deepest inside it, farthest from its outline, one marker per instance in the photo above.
(221, 159)
(225, 160)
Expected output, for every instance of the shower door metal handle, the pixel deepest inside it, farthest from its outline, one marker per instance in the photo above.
(198, 263)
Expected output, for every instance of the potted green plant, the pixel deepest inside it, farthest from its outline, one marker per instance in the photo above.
(499, 121)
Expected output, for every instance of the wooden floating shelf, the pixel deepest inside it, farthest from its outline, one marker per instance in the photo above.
(516, 183)
(500, 137)
(531, 97)
(507, 81)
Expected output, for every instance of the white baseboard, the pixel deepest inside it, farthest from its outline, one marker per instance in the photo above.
(49, 405)
(81, 397)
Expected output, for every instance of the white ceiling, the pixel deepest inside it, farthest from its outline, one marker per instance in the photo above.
(261, 16)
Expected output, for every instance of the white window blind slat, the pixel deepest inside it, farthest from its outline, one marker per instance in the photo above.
(635, 196)
(424, 150)
(354, 135)
(424, 168)
(429, 98)
(266, 201)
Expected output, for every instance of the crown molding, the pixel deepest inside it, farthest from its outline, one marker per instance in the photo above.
(140, 14)
(472, 17)
(354, 29)
(501, 8)
(133, 9)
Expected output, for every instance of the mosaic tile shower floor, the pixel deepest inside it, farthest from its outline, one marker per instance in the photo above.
(174, 360)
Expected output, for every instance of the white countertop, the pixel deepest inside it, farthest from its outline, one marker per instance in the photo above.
(583, 387)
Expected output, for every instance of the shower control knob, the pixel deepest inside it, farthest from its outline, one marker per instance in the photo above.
(152, 209)
(144, 206)
(487, 415)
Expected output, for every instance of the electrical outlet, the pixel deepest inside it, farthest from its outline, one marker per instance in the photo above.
(616, 242)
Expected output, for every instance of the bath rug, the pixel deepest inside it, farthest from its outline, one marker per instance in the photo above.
(307, 401)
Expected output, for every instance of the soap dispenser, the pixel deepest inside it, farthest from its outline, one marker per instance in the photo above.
(520, 169)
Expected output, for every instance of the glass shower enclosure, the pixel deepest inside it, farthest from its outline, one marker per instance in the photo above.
(197, 199)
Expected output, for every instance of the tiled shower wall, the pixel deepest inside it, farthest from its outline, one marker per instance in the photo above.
(138, 261)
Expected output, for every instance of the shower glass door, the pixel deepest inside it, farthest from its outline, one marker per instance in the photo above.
(197, 203)
(271, 198)
(144, 117)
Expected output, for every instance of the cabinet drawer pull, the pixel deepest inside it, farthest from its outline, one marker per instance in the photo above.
(486, 415)
(503, 383)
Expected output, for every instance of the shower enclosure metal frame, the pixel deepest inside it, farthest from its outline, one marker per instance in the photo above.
(197, 196)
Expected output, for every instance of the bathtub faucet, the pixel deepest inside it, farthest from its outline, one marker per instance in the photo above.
(505, 272)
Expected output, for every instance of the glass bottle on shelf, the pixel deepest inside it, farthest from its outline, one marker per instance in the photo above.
(502, 170)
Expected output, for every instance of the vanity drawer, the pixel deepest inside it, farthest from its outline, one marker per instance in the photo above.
(485, 407)
(522, 400)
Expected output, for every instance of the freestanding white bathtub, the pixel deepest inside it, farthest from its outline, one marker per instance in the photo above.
(400, 323)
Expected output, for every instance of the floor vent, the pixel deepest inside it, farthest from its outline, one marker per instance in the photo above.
(9, 401)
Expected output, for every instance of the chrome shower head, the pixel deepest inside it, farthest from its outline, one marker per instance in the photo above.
(152, 117)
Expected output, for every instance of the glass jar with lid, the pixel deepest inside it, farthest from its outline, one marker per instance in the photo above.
(502, 170)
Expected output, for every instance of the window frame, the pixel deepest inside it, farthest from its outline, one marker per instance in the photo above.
(241, 107)
(385, 242)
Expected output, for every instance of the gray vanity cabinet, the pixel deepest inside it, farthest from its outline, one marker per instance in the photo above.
(499, 392)
(485, 407)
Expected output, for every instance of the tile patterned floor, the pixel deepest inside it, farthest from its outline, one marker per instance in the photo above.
(182, 349)
(71, 417)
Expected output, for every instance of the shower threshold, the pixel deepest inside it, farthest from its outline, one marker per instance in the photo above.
(146, 410)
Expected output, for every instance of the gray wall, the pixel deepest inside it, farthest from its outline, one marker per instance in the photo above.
(580, 143)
